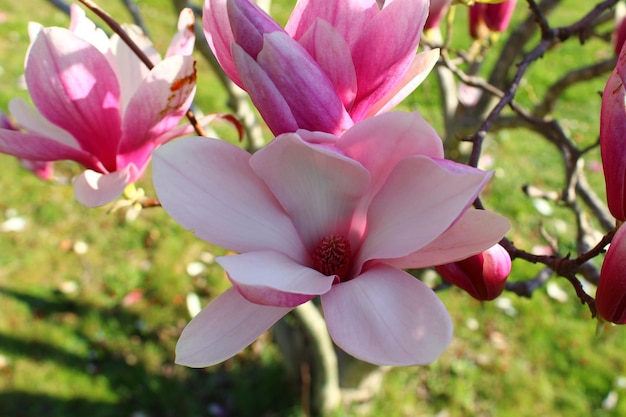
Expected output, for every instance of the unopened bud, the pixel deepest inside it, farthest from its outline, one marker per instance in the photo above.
(611, 293)
(483, 276)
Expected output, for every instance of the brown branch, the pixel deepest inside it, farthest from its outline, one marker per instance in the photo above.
(555, 91)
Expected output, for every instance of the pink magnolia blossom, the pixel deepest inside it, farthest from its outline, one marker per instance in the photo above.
(315, 215)
(486, 16)
(611, 293)
(336, 62)
(97, 104)
(613, 138)
(483, 276)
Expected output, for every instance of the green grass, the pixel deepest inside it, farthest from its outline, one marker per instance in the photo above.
(85, 352)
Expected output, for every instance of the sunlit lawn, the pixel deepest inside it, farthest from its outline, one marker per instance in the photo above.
(91, 305)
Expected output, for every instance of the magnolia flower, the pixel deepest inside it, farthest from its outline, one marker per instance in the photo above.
(485, 17)
(613, 138)
(314, 215)
(611, 293)
(483, 276)
(336, 62)
(97, 104)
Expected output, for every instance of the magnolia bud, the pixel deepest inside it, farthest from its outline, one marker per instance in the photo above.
(613, 139)
(482, 276)
(611, 293)
(494, 17)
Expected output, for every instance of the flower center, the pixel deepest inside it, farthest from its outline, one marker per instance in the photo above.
(332, 256)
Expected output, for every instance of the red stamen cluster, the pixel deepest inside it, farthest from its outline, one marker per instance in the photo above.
(332, 256)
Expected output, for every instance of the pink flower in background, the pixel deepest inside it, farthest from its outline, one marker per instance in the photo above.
(611, 293)
(97, 104)
(312, 214)
(437, 10)
(613, 139)
(336, 62)
(483, 276)
(484, 17)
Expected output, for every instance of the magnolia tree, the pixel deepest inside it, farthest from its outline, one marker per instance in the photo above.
(332, 219)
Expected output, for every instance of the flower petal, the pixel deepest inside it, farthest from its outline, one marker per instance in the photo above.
(417, 72)
(207, 185)
(159, 103)
(249, 23)
(401, 135)
(93, 189)
(387, 317)
(272, 278)
(223, 328)
(349, 17)
(474, 232)
(268, 100)
(385, 50)
(73, 86)
(130, 70)
(38, 148)
(183, 41)
(332, 53)
(420, 200)
(319, 188)
(306, 88)
(219, 35)
(31, 120)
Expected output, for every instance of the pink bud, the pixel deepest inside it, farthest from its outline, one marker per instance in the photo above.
(495, 17)
(498, 16)
(482, 276)
(611, 293)
(436, 12)
(613, 139)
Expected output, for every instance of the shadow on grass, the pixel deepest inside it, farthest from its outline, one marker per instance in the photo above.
(141, 387)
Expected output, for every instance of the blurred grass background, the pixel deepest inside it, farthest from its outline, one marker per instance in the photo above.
(91, 305)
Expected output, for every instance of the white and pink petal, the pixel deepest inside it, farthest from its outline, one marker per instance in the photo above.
(273, 278)
(93, 189)
(224, 328)
(159, 103)
(208, 186)
(317, 186)
(474, 232)
(387, 317)
(419, 201)
(73, 86)
(381, 142)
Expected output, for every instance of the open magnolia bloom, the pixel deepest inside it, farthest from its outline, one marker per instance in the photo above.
(315, 215)
(336, 62)
(97, 104)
